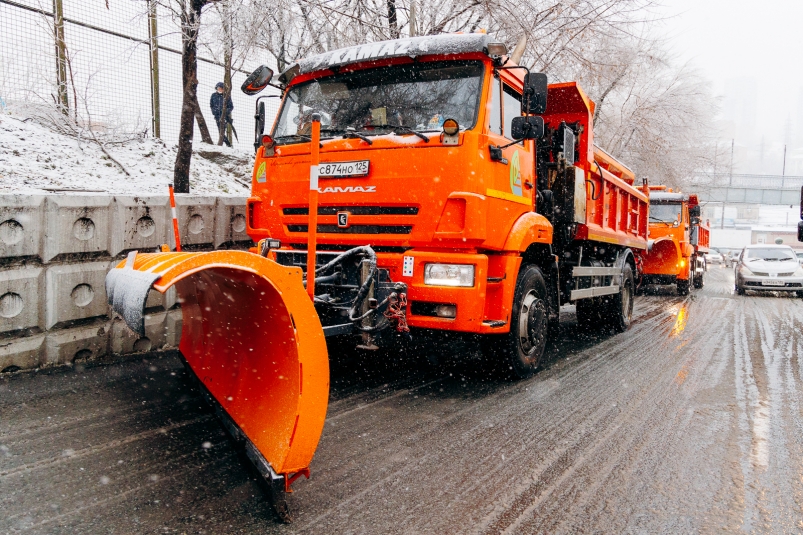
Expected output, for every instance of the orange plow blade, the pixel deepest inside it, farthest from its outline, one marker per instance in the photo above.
(253, 339)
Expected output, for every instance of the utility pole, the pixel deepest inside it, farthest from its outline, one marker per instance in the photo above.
(154, 61)
(730, 181)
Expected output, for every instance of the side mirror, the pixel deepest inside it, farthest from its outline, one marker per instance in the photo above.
(695, 211)
(259, 125)
(800, 231)
(535, 90)
(257, 80)
(527, 127)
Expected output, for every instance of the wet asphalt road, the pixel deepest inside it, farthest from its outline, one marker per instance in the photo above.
(690, 422)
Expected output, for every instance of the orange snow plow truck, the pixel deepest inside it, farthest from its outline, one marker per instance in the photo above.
(440, 191)
(678, 241)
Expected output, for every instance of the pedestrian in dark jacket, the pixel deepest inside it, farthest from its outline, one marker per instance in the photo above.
(222, 118)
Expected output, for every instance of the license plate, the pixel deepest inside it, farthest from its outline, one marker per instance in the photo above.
(772, 282)
(343, 169)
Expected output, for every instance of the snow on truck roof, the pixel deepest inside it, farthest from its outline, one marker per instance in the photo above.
(410, 47)
(665, 196)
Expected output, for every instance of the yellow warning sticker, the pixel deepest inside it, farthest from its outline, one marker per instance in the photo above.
(261, 173)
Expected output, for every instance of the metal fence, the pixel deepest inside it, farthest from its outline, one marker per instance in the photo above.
(112, 63)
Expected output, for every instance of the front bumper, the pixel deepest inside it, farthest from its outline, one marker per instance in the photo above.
(482, 308)
(756, 283)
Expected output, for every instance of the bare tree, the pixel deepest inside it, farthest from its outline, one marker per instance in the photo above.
(188, 15)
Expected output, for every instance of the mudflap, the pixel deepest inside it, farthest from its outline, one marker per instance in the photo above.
(254, 342)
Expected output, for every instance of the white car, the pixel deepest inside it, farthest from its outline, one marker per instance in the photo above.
(769, 268)
(713, 258)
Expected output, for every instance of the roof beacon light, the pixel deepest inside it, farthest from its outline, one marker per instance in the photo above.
(450, 127)
(496, 49)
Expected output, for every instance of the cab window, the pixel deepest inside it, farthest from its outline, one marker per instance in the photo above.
(511, 108)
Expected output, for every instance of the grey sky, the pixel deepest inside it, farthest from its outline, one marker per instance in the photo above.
(731, 41)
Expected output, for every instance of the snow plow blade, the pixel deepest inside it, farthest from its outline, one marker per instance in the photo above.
(253, 339)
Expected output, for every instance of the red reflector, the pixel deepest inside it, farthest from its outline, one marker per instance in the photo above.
(267, 141)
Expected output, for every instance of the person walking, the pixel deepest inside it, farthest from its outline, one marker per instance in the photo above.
(221, 112)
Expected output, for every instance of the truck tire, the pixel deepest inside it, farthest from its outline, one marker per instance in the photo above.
(519, 352)
(620, 308)
(699, 279)
(683, 287)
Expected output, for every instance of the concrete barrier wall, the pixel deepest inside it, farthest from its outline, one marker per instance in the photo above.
(55, 251)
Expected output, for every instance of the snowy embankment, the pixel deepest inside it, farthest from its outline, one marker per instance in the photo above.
(36, 159)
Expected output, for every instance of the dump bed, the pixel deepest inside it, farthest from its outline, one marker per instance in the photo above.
(614, 211)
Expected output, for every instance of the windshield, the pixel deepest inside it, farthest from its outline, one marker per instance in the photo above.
(770, 254)
(420, 96)
(665, 213)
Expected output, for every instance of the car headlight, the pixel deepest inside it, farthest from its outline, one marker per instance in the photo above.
(798, 272)
(745, 271)
(449, 275)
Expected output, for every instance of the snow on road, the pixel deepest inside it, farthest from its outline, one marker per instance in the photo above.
(35, 159)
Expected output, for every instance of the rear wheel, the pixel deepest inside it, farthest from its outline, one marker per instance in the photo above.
(699, 278)
(620, 309)
(683, 287)
(519, 352)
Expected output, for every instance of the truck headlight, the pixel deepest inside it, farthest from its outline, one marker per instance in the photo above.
(449, 275)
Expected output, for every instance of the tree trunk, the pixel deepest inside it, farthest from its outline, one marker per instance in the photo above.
(228, 46)
(190, 20)
(199, 119)
(392, 21)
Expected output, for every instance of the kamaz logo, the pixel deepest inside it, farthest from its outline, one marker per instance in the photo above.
(348, 189)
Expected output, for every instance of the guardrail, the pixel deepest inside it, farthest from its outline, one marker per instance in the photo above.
(55, 251)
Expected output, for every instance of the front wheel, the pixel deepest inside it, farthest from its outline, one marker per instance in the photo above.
(683, 287)
(620, 312)
(521, 350)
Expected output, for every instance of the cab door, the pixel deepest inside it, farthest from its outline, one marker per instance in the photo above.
(514, 174)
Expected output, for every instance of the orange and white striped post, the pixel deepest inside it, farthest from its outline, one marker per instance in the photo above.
(175, 218)
(312, 226)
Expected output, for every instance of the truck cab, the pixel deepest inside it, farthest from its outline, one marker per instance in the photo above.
(678, 241)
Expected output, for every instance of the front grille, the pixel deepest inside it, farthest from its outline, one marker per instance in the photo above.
(355, 229)
(354, 210)
(759, 274)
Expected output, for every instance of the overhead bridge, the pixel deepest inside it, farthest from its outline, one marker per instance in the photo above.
(748, 189)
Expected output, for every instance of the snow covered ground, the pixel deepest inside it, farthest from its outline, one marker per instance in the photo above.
(36, 159)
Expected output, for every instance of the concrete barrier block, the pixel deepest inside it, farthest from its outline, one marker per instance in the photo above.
(230, 221)
(161, 300)
(77, 225)
(125, 341)
(21, 225)
(139, 223)
(75, 291)
(78, 344)
(173, 328)
(196, 220)
(22, 299)
(22, 353)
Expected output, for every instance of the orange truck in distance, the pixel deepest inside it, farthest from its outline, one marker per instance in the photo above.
(424, 191)
(678, 241)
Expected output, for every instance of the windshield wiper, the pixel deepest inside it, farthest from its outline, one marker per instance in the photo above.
(785, 259)
(399, 129)
(351, 133)
(662, 221)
